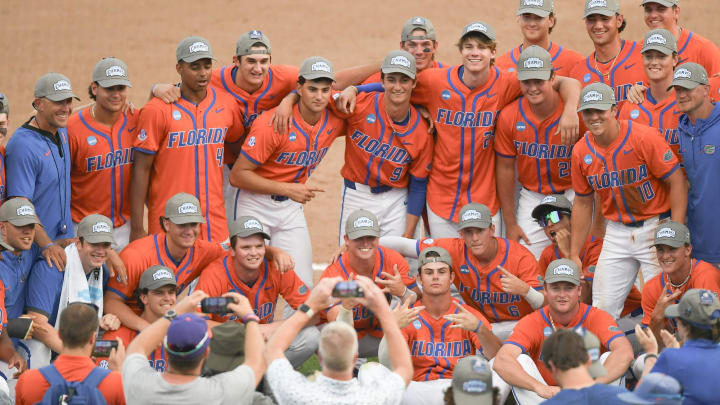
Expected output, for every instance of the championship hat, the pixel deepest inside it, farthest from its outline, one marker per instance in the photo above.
(443, 256)
(660, 40)
(541, 8)
(534, 63)
(666, 3)
(110, 72)
(247, 226)
(673, 234)
(552, 203)
(689, 75)
(399, 62)
(155, 277)
(19, 212)
(227, 347)
(96, 228)
(592, 345)
(603, 7)
(656, 389)
(317, 67)
(417, 23)
(183, 208)
(362, 223)
(192, 49)
(244, 44)
(4, 104)
(562, 270)
(597, 96)
(480, 27)
(698, 307)
(54, 87)
(187, 336)
(472, 381)
(475, 215)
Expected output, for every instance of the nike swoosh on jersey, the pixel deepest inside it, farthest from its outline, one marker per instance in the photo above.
(330, 131)
(681, 61)
(47, 153)
(131, 129)
(219, 109)
(629, 66)
(625, 152)
(676, 112)
(268, 288)
(491, 95)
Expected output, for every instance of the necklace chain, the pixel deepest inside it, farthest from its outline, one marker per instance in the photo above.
(684, 281)
(614, 60)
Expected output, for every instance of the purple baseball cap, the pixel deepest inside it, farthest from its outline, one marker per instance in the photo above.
(187, 336)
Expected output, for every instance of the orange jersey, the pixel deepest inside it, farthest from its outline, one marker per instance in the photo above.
(151, 250)
(530, 333)
(3, 314)
(621, 74)
(715, 89)
(381, 152)
(435, 348)
(280, 80)
(221, 277)
(628, 174)
(188, 144)
(480, 286)
(702, 275)
(663, 116)
(376, 77)
(385, 260)
(695, 48)
(563, 60)
(3, 181)
(101, 161)
(291, 157)
(463, 166)
(543, 161)
(157, 359)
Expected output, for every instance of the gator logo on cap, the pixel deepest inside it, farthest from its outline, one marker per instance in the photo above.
(592, 95)
(363, 222)
(537, 3)
(665, 233)
(706, 297)
(252, 224)
(682, 73)
(400, 60)
(563, 270)
(471, 215)
(162, 274)
(25, 210)
(476, 27)
(548, 199)
(320, 67)
(101, 227)
(188, 208)
(597, 3)
(114, 71)
(62, 85)
(656, 39)
(199, 47)
(533, 63)
(255, 34)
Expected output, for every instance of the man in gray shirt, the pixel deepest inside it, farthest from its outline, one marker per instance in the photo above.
(185, 337)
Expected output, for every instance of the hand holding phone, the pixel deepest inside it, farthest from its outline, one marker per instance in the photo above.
(347, 289)
(104, 347)
(216, 305)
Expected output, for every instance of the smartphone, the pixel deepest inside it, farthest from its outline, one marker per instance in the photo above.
(103, 347)
(216, 305)
(347, 289)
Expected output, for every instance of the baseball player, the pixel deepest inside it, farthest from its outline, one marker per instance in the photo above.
(518, 361)
(192, 130)
(157, 293)
(634, 171)
(537, 20)
(273, 169)
(245, 270)
(615, 61)
(101, 150)
(496, 276)
(525, 132)
(441, 331)
(691, 46)
(364, 257)
(4, 118)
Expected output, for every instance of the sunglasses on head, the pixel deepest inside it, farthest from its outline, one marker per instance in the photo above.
(552, 217)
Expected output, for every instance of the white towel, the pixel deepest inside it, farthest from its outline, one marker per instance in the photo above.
(77, 287)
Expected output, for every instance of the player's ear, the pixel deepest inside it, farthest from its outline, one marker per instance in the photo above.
(178, 67)
(236, 60)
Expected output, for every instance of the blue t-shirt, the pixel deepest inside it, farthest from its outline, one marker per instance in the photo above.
(39, 169)
(599, 394)
(14, 272)
(696, 365)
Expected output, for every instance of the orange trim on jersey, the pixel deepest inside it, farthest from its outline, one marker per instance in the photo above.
(695, 48)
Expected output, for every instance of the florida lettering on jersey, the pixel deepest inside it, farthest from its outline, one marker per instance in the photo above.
(458, 348)
(109, 160)
(209, 136)
(466, 119)
(620, 178)
(375, 148)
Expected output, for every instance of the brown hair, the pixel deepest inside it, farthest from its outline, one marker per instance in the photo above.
(484, 41)
(78, 323)
(565, 349)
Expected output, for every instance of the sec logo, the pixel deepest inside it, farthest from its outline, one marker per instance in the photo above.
(292, 136)
(520, 126)
(417, 324)
(176, 115)
(634, 114)
(142, 135)
(587, 159)
(370, 118)
(91, 140)
(511, 69)
(251, 141)
(445, 95)
(587, 77)
(464, 269)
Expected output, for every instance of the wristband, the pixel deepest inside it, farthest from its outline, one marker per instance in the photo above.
(47, 246)
(478, 327)
(249, 318)
(650, 356)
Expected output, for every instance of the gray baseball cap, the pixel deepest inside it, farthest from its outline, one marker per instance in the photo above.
(673, 234)
(481, 27)
(689, 75)
(562, 270)
(475, 215)
(423, 259)
(550, 203)
(96, 228)
(534, 63)
(193, 48)
(155, 277)
(244, 44)
(416, 23)
(247, 226)
(110, 72)
(317, 67)
(472, 381)
(19, 212)
(592, 345)
(54, 87)
(666, 3)
(660, 40)
(699, 307)
(183, 208)
(4, 104)
(399, 62)
(362, 223)
(603, 7)
(597, 96)
(541, 8)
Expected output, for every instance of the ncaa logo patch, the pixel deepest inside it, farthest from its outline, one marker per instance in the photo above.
(511, 69)
(634, 114)
(292, 136)
(142, 135)
(587, 77)
(370, 118)
(445, 94)
(429, 241)
(520, 126)
(587, 159)
(417, 324)
(251, 141)
(176, 115)
(91, 140)
(464, 269)
(547, 331)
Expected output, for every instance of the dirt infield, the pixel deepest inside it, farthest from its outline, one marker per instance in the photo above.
(70, 37)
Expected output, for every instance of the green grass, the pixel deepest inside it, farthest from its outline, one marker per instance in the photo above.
(312, 364)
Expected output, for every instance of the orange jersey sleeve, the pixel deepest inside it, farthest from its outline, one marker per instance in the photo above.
(663, 116)
(435, 347)
(628, 174)
(3, 315)
(715, 89)
(695, 48)
(194, 135)
(3, 180)
(381, 152)
(100, 170)
(563, 59)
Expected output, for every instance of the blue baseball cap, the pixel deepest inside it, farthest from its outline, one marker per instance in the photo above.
(655, 388)
(187, 336)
